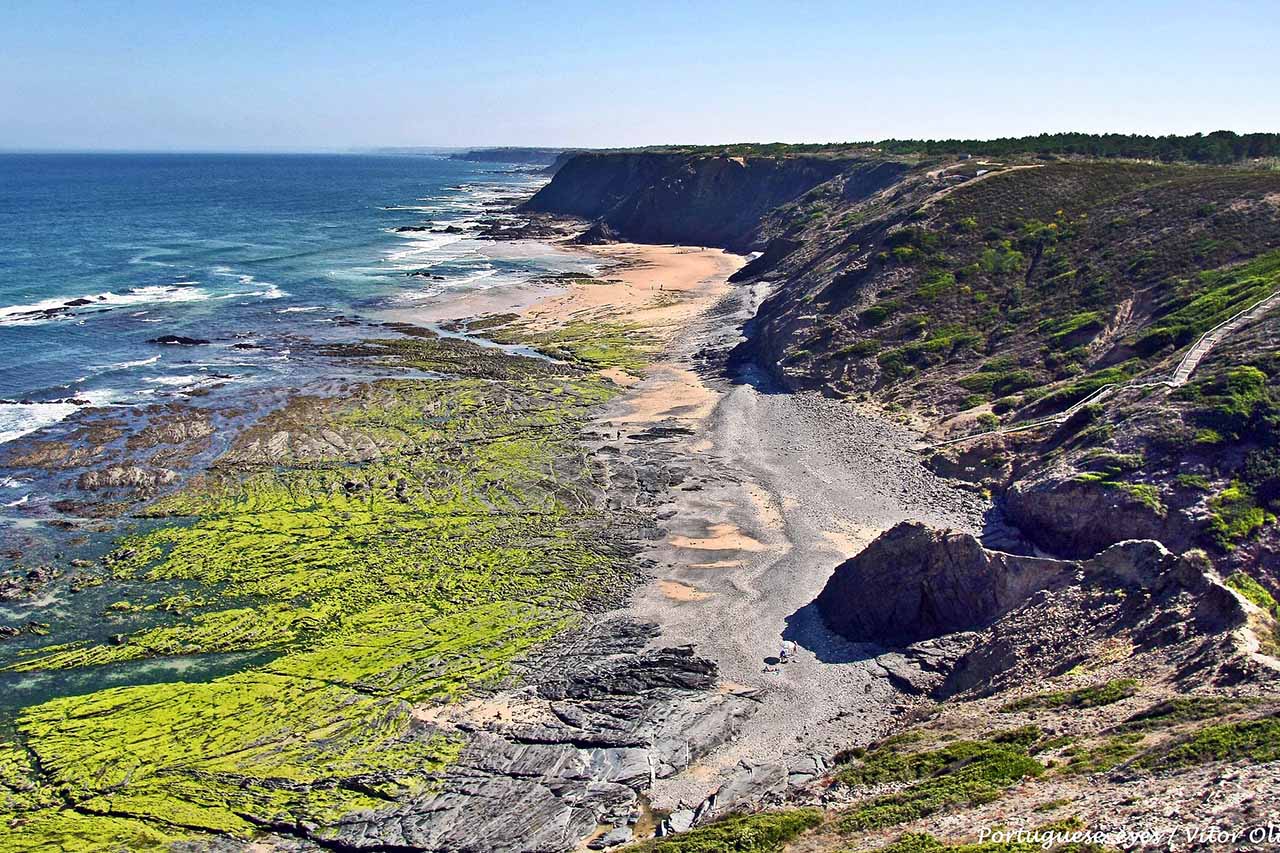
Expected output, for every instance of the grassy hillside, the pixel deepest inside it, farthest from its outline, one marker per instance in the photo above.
(979, 294)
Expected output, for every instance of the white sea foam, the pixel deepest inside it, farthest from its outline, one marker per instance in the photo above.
(265, 289)
(271, 292)
(300, 310)
(175, 381)
(125, 365)
(19, 419)
(58, 308)
(422, 243)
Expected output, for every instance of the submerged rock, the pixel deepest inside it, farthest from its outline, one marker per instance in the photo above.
(177, 340)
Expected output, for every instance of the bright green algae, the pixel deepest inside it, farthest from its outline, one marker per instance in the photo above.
(461, 534)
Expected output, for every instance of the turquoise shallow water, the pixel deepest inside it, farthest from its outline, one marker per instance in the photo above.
(255, 253)
(259, 256)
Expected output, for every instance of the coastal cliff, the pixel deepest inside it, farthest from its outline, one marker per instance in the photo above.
(533, 601)
(675, 198)
(983, 295)
(989, 300)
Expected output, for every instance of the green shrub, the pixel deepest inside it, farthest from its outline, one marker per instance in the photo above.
(916, 237)
(1262, 473)
(1103, 756)
(1207, 437)
(766, 832)
(1062, 332)
(1192, 481)
(1234, 516)
(998, 383)
(1182, 709)
(1001, 259)
(935, 284)
(963, 773)
(934, 349)
(1209, 298)
(1243, 583)
(1093, 696)
(1255, 740)
(1082, 388)
(1146, 494)
(878, 313)
(860, 349)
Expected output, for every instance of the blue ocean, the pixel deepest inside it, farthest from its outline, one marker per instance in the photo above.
(102, 255)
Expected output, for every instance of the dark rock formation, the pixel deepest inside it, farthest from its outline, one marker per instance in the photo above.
(603, 718)
(1172, 611)
(1079, 519)
(177, 340)
(1001, 618)
(143, 480)
(915, 583)
(677, 198)
(598, 234)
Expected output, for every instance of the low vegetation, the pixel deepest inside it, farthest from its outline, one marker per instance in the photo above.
(1217, 147)
(960, 774)
(1251, 740)
(1182, 709)
(766, 832)
(1093, 696)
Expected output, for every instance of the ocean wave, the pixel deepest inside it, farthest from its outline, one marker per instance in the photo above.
(301, 310)
(272, 291)
(22, 418)
(126, 365)
(268, 291)
(185, 383)
(175, 381)
(61, 308)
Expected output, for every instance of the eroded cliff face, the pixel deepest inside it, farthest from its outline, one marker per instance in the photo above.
(973, 293)
(1002, 618)
(674, 198)
(978, 293)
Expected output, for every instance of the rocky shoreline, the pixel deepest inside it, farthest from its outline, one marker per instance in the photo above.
(568, 574)
(587, 722)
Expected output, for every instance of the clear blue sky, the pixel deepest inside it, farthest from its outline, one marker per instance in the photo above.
(311, 74)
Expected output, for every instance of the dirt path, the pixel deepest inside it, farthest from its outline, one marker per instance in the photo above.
(781, 489)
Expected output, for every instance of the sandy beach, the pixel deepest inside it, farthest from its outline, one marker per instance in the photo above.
(658, 288)
(781, 489)
(784, 487)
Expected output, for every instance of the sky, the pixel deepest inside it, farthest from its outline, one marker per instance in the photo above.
(310, 75)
